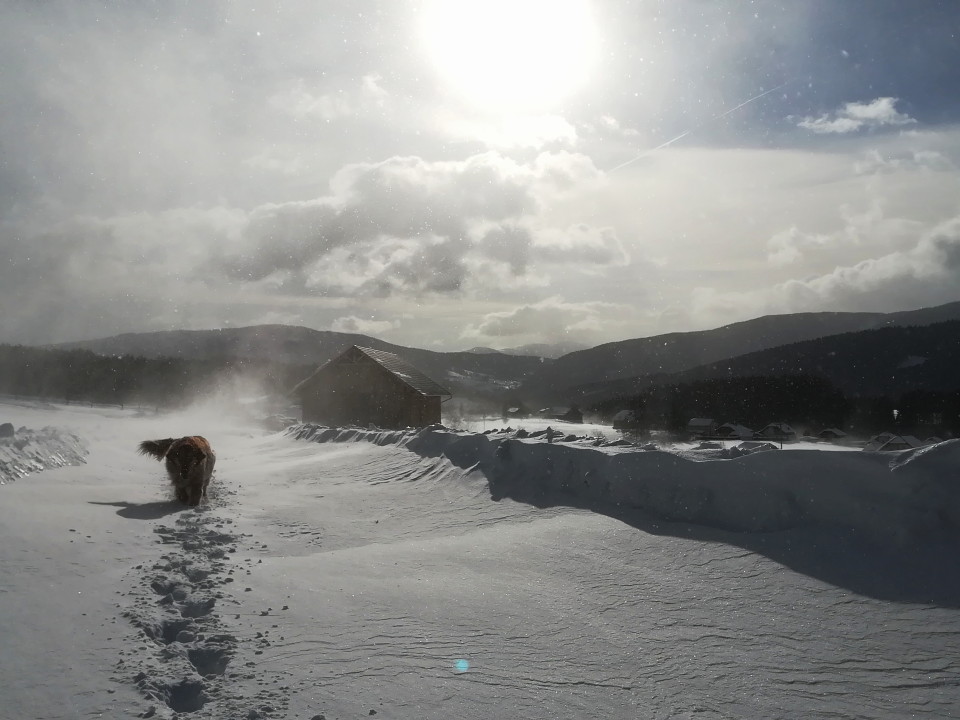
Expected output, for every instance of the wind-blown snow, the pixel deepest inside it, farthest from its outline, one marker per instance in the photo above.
(438, 574)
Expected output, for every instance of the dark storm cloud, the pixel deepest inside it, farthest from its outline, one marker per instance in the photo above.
(433, 268)
(945, 244)
(509, 244)
(435, 211)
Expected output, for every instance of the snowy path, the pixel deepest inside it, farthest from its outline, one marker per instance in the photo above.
(339, 579)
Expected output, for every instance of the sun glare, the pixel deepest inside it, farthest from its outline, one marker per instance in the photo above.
(511, 54)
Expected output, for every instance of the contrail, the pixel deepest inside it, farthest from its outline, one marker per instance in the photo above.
(687, 132)
(755, 97)
(651, 150)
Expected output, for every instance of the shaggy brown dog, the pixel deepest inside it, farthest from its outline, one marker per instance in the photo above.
(190, 463)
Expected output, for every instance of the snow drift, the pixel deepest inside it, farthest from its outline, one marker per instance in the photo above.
(903, 498)
(30, 451)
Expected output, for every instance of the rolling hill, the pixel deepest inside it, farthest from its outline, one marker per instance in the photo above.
(584, 375)
(465, 373)
(885, 361)
(566, 377)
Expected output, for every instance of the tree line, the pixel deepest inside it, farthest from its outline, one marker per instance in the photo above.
(809, 403)
(84, 376)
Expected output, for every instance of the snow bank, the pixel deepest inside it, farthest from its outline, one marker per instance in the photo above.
(915, 495)
(30, 451)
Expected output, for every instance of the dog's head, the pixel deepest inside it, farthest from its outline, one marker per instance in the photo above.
(188, 462)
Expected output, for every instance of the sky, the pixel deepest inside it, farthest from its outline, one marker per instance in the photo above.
(447, 175)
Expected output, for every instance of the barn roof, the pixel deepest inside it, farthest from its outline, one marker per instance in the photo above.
(405, 371)
(394, 364)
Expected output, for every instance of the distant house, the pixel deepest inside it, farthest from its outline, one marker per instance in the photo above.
(362, 386)
(626, 420)
(900, 442)
(518, 410)
(776, 431)
(571, 414)
(888, 442)
(701, 426)
(877, 441)
(732, 431)
(831, 434)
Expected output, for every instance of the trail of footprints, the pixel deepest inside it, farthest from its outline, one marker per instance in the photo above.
(188, 660)
(308, 534)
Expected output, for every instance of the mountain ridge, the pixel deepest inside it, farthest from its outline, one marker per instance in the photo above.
(535, 379)
(881, 361)
(675, 352)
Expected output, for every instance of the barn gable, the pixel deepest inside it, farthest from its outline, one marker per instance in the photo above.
(363, 386)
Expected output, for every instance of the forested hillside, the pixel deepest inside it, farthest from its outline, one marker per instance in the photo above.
(84, 376)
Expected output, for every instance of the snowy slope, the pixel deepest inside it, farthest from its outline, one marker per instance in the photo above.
(433, 575)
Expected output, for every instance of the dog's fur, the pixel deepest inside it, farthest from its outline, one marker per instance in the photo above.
(190, 462)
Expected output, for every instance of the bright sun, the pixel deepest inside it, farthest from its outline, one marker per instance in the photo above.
(509, 55)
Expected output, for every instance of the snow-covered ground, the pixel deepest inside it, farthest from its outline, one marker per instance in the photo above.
(598, 430)
(441, 574)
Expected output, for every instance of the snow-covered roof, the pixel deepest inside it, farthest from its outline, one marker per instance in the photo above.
(734, 430)
(779, 427)
(405, 371)
(700, 422)
(901, 442)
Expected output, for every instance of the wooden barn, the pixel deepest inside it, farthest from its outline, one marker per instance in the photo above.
(362, 386)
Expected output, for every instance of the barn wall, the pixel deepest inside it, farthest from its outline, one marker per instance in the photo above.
(365, 393)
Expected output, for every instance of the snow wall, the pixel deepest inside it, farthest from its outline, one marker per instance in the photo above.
(31, 451)
(897, 498)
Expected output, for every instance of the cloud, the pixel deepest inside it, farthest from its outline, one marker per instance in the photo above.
(272, 317)
(392, 266)
(788, 246)
(404, 228)
(855, 116)
(873, 162)
(549, 320)
(407, 226)
(932, 267)
(362, 326)
(511, 132)
(593, 247)
(928, 273)
(870, 226)
(302, 103)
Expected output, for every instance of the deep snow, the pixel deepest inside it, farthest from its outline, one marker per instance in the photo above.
(442, 574)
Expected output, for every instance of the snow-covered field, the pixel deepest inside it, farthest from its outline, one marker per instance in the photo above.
(346, 574)
(597, 430)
